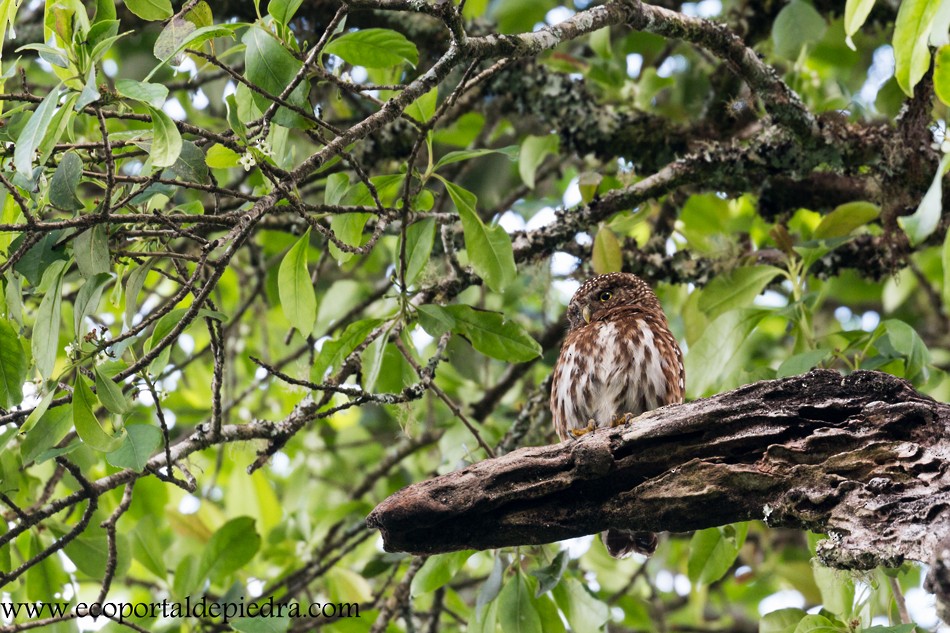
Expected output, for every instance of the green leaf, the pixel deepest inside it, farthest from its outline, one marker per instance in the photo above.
(297, 298)
(337, 185)
(13, 366)
(607, 255)
(50, 54)
(713, 551)
(105, 10)
(897, 289)
(549, 576)
(911, 32)
(90, 552)
(466, 154)
(87, 426)
(942, 74)
(489, 248)
(194, 39)
(168, 43)
(255, 497)
(584, 612)
(155, 189)
(348, 228)
(855, 14)
(712, 361)
(200, 14)
(373, 360)
(153, 95)
(813, 250)
(150, 10)
(103, 44)
(53, 453)
(334, 352)
(45, 578)
(797, 24)
(133, 284)
(190, 164)
(89, 92)
(940, 31)
(141, 441)
(438, 570)
(186, 576)
(704, 216)
(493, 335)
(65, 183)
(91, 250)
(837, 589)
(110, 394)
(38, 412)
(374, 48)
(492, 585)
(420, 238)
(534, 149)
(516, 610)
(587, 184)
(818, 624)
(234, 118)
(221, 157)
(899, 340)
(845, 218)
(62, 119)
(231, 547)
(166, 140)
(923, 222)
(37, 260)
(600, 43)
(423, 108)
(45, 339)
(551, 621)
(800, 363)
(485, 621)
(271, 67)
(736, 289)
(33, 132)
(513, 17)
(87, 300)
(147, 547)
(435, 320)
(50, 429)
(781, 621)
(283, 10)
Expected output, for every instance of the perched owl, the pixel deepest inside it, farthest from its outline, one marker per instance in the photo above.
(618, 357)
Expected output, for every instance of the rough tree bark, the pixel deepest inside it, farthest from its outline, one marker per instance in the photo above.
(862, 458)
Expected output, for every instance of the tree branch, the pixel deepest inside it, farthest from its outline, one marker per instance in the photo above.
(862, 458)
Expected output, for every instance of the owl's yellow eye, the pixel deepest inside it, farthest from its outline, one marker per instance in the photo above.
(605, 296)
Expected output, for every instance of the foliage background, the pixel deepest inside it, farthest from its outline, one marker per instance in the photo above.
(215, 260)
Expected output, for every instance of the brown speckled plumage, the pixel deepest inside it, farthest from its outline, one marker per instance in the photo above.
(619, 357)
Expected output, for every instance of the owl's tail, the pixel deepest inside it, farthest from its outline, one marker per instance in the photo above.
(621, 543)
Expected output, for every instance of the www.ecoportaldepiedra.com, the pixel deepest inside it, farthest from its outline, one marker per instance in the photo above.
(201, 608)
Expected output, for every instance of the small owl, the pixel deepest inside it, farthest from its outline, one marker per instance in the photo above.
(619, 357)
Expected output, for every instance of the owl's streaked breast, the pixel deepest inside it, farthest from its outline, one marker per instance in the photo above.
(609, 368)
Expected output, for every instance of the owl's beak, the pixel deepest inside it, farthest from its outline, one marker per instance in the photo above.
(585, 312)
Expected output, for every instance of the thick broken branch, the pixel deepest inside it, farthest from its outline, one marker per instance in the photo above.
(862, 458)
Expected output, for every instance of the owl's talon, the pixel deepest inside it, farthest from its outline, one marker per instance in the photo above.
(620, 420)
(584, 431)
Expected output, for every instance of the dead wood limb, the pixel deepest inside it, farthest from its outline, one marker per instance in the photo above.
(863, 458)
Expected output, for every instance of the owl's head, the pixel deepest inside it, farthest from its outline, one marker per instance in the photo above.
(605, 292)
